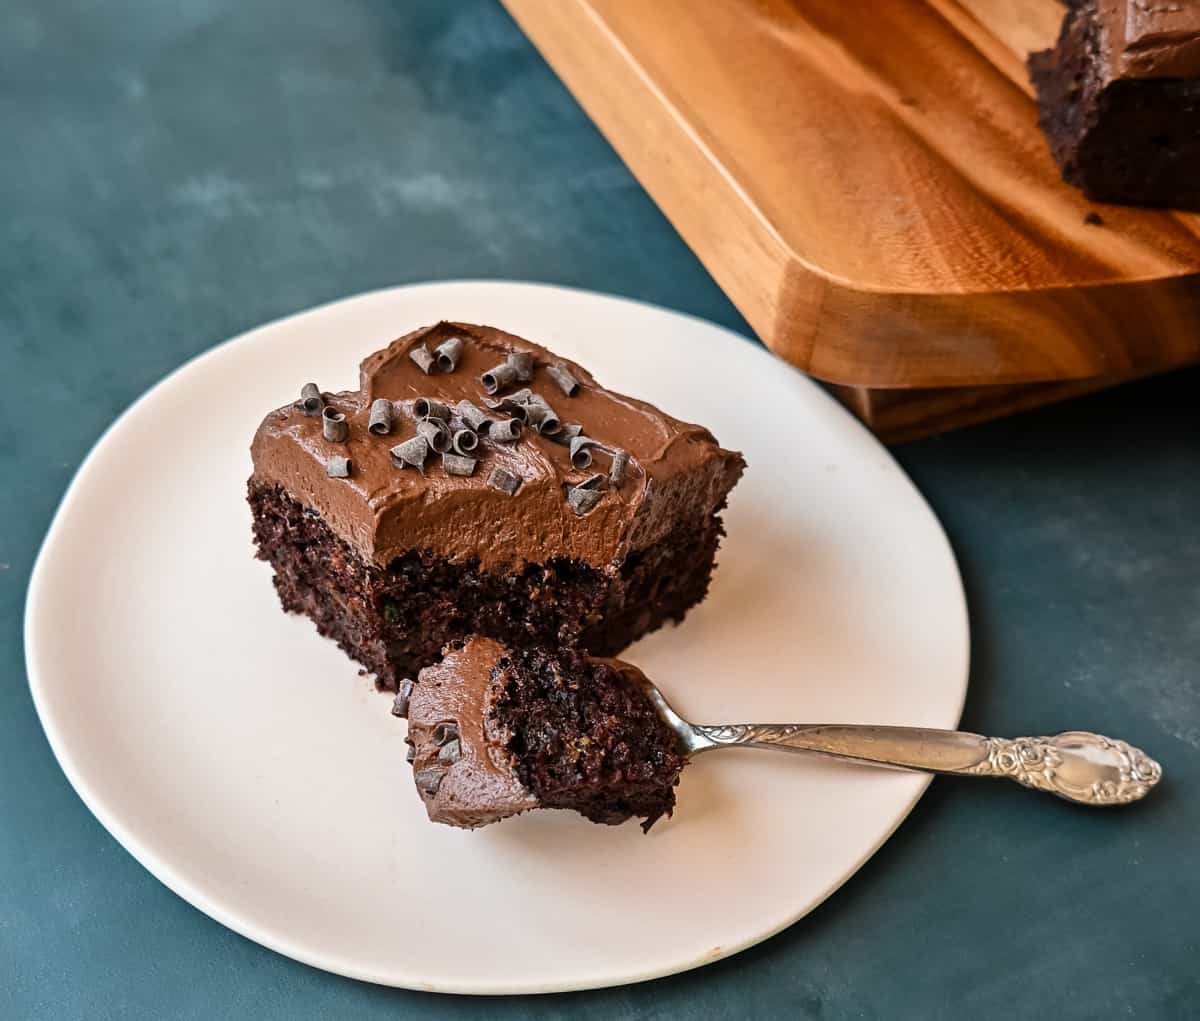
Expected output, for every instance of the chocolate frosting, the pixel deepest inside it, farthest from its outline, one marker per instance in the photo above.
(1150, 38)
(481, 786)
(675, 470)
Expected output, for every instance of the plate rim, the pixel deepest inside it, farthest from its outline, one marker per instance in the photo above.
(195, 895)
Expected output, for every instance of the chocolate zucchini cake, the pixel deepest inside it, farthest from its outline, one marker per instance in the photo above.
(494, 731)
(1119, 100)
(477, 484)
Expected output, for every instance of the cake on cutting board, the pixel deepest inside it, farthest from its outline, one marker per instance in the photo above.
(1119, 100)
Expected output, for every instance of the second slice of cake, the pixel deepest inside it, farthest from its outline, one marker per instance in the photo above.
(477, 484)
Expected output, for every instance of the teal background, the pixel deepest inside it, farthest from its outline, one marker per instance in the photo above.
(174, 173)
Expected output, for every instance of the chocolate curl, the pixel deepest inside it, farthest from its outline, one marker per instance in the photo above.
(400, 703)
(464, 441)
(428, 780)
(444, 733)
(423, 359)
(495, 380)
(456, 464)
(514, 404)
(436, 433)
(581, 455)
(562, 377)
(427, 407)
(542, 418)
(505, 430)
(522, 363)
(567, 433)
(311, 402)
(333, 426)
(411, 453)
(447, 354)
(474, 417)
(582, 500)
(504, 480)
(380, 423)
(616, 470)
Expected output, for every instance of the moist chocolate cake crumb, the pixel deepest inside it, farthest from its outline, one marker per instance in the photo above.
(495, 731)
(583, 735)
(397, 619)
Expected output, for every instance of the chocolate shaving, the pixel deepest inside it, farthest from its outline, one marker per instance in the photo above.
(410, 756)
(542, 417)
(411, 453)
(514, 404)
(581, 456)
(540, 414)
(333, 425)
(427, 407)
(474, 417)
(505, 430)
(456, 464)
(582, 500)
(400, 703)
(338, 467)
(522, 363)
(561, 375)
(380, 423)
(616, 470)
(516, 399)
(436, 434)
(424, 360)
(464, 441)
(311, 402)
(504, 480)
(429, 780)
(450, 752)
(567, 433)
(596, 481)
(447, 353)
(495, 380)
(445, 732)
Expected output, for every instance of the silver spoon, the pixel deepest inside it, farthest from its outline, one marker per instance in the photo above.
(1079, 766)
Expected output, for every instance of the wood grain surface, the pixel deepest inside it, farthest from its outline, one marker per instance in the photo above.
(899, 415)
(869, 185)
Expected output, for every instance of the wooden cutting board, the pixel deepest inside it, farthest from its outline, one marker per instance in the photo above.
(869, 185)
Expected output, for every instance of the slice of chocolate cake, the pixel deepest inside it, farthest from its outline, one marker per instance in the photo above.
(1119, 100)
(477, 484)
(494, 731)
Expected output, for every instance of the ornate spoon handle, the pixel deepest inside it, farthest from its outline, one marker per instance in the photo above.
(1077, 765)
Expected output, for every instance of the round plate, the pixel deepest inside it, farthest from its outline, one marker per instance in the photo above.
(247, 765)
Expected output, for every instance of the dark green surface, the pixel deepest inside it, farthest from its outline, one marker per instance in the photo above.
(174, 173)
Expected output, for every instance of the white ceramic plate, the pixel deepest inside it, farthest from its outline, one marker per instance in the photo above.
(247, 765)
